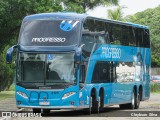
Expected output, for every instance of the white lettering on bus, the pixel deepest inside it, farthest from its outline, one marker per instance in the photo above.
(53, 39)
(109, 52)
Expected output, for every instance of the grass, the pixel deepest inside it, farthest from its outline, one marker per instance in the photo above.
(155, 88)
(12, 88)
(6, 94)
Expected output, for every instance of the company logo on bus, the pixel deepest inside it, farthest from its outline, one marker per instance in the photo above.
(109, 52)
(68, 25)
(65, 26)
(53, 39)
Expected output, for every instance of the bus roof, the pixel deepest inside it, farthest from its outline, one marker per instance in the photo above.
(73, 15)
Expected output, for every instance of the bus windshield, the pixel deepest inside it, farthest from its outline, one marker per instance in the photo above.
(50, 33)
(46, 69)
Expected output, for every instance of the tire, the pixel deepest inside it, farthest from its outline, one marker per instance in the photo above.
(96, 107)
(36, 110)
(93, 106)
(132, 104)
(88, 111)
(101, 104)
(123, 106)
(137, 101)
(90, 105)
(46, 111)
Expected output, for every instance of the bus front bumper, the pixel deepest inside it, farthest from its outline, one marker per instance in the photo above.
(54, 107)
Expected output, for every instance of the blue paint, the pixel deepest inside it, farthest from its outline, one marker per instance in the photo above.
(65, 26)
(50, 57)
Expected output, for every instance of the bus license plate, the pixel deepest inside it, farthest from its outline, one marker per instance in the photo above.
(44, 103)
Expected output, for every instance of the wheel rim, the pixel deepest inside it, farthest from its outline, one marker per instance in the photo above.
(138, 100)
(90, 105)
(133, 100)
(99, 102)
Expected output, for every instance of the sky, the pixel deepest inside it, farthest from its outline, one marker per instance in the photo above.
(131, 7)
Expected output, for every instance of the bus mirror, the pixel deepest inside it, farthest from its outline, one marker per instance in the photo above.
(9, 54)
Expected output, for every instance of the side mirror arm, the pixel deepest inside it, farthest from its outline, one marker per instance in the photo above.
(9, 54)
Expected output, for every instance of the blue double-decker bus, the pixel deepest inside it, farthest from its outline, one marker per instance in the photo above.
(75, 61)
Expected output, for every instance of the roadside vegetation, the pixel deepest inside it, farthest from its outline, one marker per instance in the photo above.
(6, 94)
(155, 88)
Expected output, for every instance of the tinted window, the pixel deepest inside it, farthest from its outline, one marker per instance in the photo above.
(139, 37)
(146, 40)
(115, 34)
(101, 72)
(50, 33)
(94, 32)
(132, 41)
(125, 36)
(100, 33)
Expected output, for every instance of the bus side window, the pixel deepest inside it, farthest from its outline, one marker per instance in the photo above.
(107, 39)
(115, 34)
(112, 72)
(146, 41)
(139, 37)
(88, 37)
(125, 36)
(101, 72)
(89, 25)
(83, 73)
(132, 41)
(100, 32)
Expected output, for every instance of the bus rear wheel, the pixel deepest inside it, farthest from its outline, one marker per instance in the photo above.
(133, 100)
(137, 101)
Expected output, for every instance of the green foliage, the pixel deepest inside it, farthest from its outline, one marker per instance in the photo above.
(12, 88)
(83, 5)
(151, 18)
(116, 14)
(155, 87)
(6, 94)
(6, 71)
(74, 7)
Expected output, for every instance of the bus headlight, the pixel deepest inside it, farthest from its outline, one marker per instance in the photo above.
(22, 94)
(66, 95)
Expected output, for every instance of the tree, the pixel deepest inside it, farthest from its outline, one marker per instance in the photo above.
(116, 14)
(85, 5)
(11, 14)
